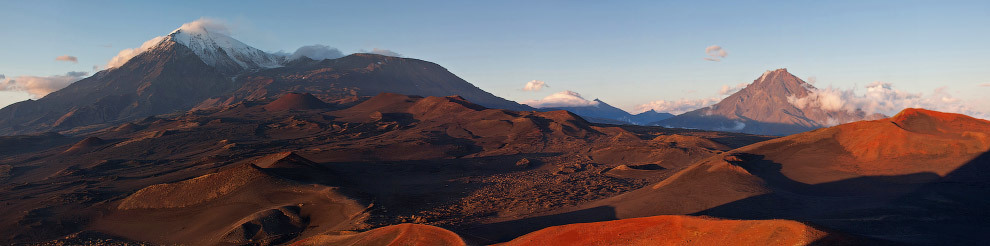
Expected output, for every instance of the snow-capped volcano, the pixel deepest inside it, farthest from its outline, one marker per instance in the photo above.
(223, 52)
(200, 66)
(210, 41)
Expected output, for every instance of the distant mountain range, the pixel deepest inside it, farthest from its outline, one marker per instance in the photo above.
(763, 107)
(604, 113)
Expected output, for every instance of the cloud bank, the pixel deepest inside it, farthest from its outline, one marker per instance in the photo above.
(125, 55)
(72, 59)
(561, 99)
(316, 52)
(204, 24)
(728, 90)
(535, 85)
(39, 86)
(383, 52)
(715, 53)
(686, 105)
(736, 126)
(676, 106)
(883, 98)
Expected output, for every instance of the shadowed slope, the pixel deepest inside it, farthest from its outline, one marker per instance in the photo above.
(840, 177)
(359, 75)
(242, 204)
(169, 77)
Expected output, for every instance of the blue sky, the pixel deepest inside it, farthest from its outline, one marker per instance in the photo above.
(626, 54)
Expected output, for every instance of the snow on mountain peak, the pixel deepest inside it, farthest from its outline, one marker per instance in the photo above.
(211, 42)
(219, 50)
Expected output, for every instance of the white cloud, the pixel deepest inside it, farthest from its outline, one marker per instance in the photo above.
(535, 85)
(883, 98)
(383, 52)
(728, 90)
(72, 59)
(40, 86)
(685, 105)
(125, 55)
(204, 24)
(736, 126)
(676, 106)
(561, 99)
(715, 53)
(317, 52)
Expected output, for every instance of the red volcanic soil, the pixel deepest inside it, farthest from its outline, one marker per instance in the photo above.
(893, 172)
(913, 141)
(242, 204)
(679, 230)
(246, 173)
(296, 101)
(401, 234)
(915, 132)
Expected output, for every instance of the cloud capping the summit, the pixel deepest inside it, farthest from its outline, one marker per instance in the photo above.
(383, 52)
(316, 52)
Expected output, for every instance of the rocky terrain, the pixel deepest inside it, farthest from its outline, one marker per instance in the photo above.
(282, 170)
(204, 140)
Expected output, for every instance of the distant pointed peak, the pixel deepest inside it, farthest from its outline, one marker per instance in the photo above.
(781, 78)
(773, 73)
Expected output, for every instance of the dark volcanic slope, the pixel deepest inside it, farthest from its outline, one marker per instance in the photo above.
(910, 178)
(359, 75)
(763, 107)
(388, 160)
(164, 79)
